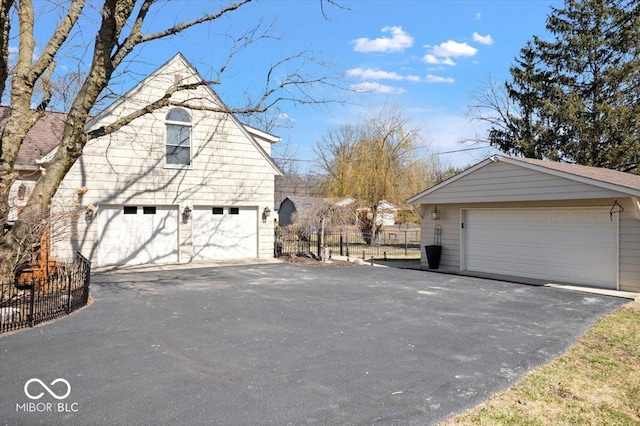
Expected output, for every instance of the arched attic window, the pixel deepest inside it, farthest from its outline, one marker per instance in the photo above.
(178, 137)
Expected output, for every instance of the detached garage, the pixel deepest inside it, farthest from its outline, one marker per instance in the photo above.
(555, 222)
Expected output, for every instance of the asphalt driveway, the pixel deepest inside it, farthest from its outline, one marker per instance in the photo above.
(285, 344)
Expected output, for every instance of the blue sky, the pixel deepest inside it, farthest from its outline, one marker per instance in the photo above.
(424, 57)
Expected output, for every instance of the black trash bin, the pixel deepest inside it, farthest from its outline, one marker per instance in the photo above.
(435, 250)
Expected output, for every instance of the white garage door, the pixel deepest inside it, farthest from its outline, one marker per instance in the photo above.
(225, 233)
(133, 235)
(561, 245)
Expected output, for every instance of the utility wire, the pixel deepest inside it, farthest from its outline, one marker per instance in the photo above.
(433, 153)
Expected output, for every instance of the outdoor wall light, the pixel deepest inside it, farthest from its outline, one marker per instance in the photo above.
(186, 214)
(435, 213)
(22, 191)
(89, 213)
(265, 214)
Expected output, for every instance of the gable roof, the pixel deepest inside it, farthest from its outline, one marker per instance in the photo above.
(596, 176)
(190, 69)
(44, 136)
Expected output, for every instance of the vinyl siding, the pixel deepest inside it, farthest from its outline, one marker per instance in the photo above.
(629, 237)
(128, 167)
(501, 182)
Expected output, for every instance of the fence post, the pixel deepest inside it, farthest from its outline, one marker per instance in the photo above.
(405, 243)
(341, 253)
(32, 300)
(347, 243)
(69, 280)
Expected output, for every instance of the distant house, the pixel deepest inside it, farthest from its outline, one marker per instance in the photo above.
(386, 213)
(177, 184)
(43, 137)
(291, 205)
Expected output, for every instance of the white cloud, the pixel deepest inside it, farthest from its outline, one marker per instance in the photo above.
(454, 49)
(432, 59)
(437, 79)
(482, 39)
(373, 74)
(285, 117)
(376, 74)
(478, 16)
(442, 53)
(368, 87)
(398, 42)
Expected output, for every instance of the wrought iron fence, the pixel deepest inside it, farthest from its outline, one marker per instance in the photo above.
(25, 304)
(350, 242)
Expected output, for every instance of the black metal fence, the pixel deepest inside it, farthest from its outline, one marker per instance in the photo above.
(27, 304)
(387, 244)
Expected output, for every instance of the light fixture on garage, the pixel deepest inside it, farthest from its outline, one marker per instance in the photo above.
(186, 214)
(89, 213)
(265, 214)
(616, 208)
(435, 213)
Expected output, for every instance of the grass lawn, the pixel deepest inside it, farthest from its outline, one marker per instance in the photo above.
(596, 382)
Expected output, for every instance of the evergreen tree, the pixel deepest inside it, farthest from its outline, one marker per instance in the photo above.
(576, 98)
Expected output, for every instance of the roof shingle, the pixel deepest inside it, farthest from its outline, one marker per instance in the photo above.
(600, 174)
(41, 139)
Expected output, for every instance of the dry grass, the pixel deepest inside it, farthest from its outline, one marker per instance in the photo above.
(596, 382)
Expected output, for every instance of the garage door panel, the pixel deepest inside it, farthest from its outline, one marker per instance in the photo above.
(571, 245)
(225, 233)
(137, 236)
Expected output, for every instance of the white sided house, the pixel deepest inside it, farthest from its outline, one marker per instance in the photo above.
(549, 221)
(178, 184)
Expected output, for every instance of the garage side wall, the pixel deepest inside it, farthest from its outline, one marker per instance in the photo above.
(629, 237)
(128, 168)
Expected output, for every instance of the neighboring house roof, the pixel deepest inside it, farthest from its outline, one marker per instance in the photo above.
(43, 137)
(345, 202)
(600, 177)
(302, 203)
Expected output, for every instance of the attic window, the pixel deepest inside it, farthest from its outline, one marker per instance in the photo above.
(178, 124)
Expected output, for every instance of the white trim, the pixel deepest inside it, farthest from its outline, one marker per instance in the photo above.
(463, 239)
(166, 142)
(261, 134)
(617, 251)
(636, 207)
